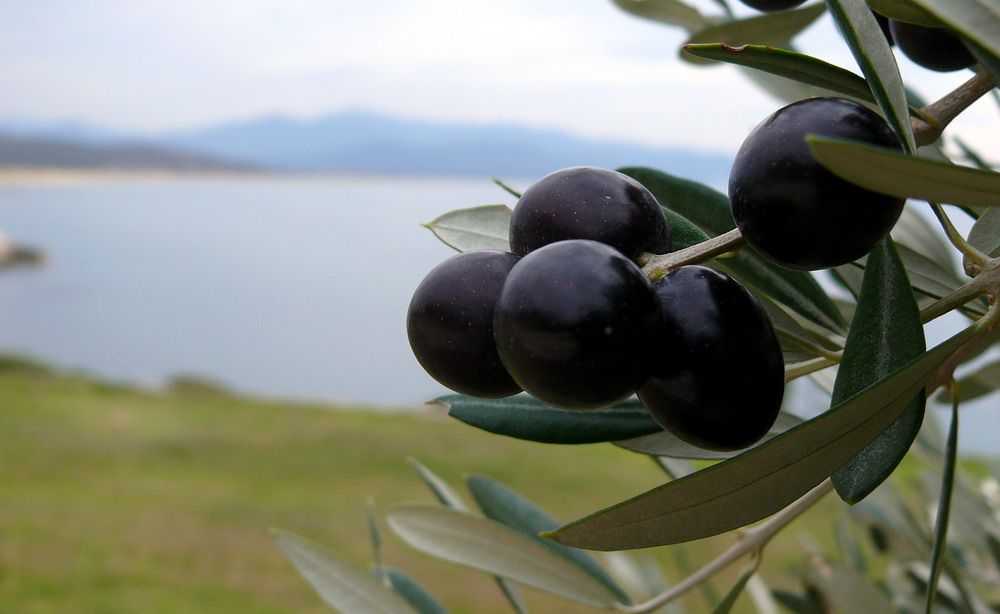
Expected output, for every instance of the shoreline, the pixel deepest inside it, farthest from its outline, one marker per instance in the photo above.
(49, 176)
(29, 176)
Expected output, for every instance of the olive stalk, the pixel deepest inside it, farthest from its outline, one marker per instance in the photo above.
(656, 266)
(937, 115)
(974, 255)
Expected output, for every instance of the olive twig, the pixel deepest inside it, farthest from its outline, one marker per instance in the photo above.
(753, 542)
(987, 281)
(812, 365)
(949, 107)
(658, 265)
(956, 238)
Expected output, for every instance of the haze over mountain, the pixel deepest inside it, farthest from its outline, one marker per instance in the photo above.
(372, 143)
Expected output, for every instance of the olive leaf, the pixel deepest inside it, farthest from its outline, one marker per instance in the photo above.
(341, 585)
(986, 60)
(882, 170)
(758, 483)
(484, 227)
(444, 493)
(666, 444)
(414, 593)
(789, 64)
(710, 211)
(682, 232)
(524, 417)
(985, 233)
(485, 545)
(671, 12)
(905, 10)
(449, 498)
(979, 383)
(886, 332)
(777, 28)
(977, 20)
(871, 51)
(913, 231)
(944, 508)
(726, 605)
(502, 504)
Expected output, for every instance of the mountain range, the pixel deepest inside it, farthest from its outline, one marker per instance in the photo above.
(353, 141)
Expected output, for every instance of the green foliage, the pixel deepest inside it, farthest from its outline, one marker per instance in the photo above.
(886, 302)
(865, 345)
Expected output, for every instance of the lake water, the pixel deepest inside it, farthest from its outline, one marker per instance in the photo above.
(289, 287)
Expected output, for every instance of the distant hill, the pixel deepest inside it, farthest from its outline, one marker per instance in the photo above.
(27, 151)
(367, 142)
(344, 142)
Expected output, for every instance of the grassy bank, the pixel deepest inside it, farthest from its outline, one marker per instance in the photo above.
(115, 500)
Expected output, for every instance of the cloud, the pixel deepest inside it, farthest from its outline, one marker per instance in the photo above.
(582, 66)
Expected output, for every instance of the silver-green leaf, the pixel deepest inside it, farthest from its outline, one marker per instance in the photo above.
(777, 29)
(871, 51)
(760, 482)
(339, 584)
(671, 12)
(485, 545)
(485, 227)
(978, 20)
(889, 172)
(885, 334)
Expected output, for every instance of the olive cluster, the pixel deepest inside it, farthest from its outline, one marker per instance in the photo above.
(569, 317)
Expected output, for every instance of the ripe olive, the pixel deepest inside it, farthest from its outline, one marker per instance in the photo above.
(450, 323)
(575, 324)
(717, 379)
(937, 49)
(768, 6)
(794, 211)
(589, 203)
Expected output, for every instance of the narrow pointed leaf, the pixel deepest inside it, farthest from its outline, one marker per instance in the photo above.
(889, 172)
(783, 88)
(666, 444)
(758, 483)
(886, 333)
(986, 60)
(726, 605)
(710, 211)
(488, 546)
(484, 227)
(944, 509)
(683, 233)
(414, 593)
(789, 64)
(498, 502)
(672, 12)
(905, 10)
(871, 51)
(449, 498)
(978, 20)
(342, 586)
(524, 417)
(914, 231)
(979, 383)
(444, 493)
(985, 233)
(777, 29)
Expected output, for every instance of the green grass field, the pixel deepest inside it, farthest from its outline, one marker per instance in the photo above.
(115, 500)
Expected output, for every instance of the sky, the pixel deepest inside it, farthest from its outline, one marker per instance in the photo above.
(582, 66)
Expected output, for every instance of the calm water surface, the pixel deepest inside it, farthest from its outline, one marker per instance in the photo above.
(286, 287)
(289, 287)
